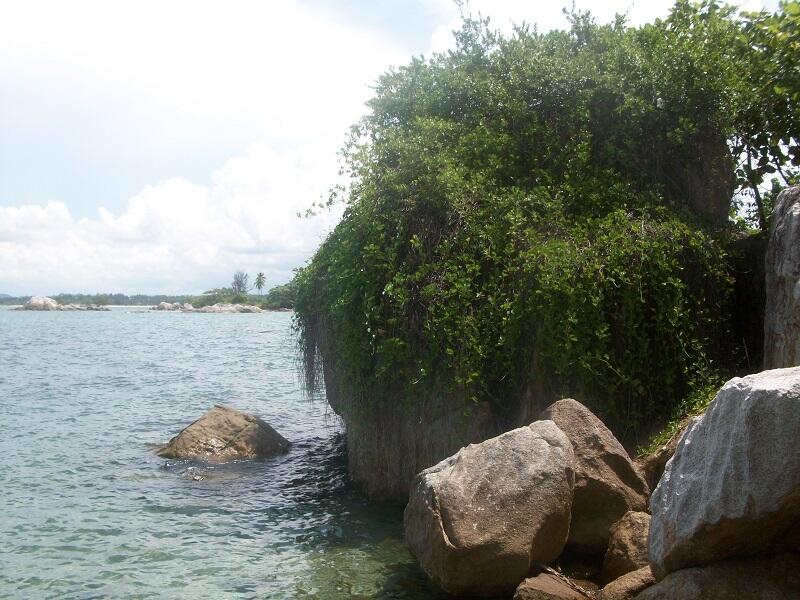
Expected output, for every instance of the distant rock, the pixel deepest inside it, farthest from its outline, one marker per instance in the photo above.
(607, 484)
(216, 308)
(224, 434)
(782, 313)
(627, 547)
(165, 306)
(754, 578)
(229, 308)
(481, 519)
(46, 303)
(628, 586)
(733, 486)
(41, 303)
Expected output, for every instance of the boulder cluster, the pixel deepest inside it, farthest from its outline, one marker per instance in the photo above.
(45, 303)
(221, 307)
(558, 510)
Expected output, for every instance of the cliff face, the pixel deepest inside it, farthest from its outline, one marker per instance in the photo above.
(390, 442)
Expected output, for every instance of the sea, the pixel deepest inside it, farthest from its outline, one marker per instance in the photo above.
(88, 511)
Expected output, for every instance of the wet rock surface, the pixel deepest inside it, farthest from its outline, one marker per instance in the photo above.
(224, 434)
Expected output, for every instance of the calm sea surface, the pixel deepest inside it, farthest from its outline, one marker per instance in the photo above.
(87, 511)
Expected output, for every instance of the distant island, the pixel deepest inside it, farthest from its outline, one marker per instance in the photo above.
(280, 297)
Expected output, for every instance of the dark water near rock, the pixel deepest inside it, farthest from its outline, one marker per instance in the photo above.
(87, 511)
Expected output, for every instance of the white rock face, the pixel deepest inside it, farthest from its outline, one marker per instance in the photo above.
(733, 487)
(216, 308)
(782, 313)
(229, 308)
(41, 303)
(479, 520)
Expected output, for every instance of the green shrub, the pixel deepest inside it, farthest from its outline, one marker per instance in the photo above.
(531, 207)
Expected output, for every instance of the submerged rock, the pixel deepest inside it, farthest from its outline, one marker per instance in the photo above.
(607, 484)
(481, 519)
(224, 434)
(782, 313)
(733, 486)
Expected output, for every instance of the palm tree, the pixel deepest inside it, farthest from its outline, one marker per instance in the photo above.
(260, 281)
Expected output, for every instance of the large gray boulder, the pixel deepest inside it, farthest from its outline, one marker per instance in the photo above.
(733, 486)
(480, 520)
(782, 313)
(607, 484)
(224, 434)
(755, 578)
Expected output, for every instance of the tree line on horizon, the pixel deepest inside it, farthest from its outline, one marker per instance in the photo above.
(278, 297)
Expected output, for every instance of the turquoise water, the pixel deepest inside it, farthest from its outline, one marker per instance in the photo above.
(87, 511)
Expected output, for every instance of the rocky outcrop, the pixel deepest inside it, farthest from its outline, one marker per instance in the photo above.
(481, 519)
(44, 303)
(547, 586)
(221, 307)
(627, 548)
(733, 486)
(759, 578)
(41, 303)
(224, 434)
(607, 484)
(628, 586)
(174, 306)
(782, 314)
(227, 308)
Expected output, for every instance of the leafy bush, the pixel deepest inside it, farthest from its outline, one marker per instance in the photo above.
(280, 296)
(531, 207)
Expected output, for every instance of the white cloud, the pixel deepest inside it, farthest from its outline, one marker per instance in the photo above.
(91, 91)
(175, 236)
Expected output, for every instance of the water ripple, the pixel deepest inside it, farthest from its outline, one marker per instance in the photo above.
(87, 511)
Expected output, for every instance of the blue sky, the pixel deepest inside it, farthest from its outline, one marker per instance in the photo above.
(159, 146)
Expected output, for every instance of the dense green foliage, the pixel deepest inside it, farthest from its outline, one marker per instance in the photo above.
(279, 297)
(532, 207)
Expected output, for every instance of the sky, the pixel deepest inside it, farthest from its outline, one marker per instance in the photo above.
(159, 146)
